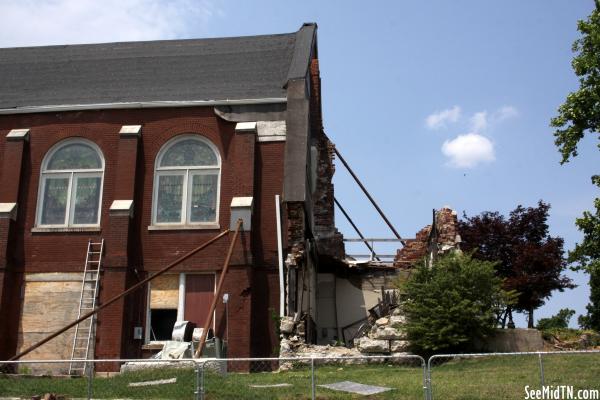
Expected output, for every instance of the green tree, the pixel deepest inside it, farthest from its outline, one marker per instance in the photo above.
(558, 321)
(578, 116)
(586, 256)
(451, 304)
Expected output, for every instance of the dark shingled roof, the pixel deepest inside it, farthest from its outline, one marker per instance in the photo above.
(238, 68)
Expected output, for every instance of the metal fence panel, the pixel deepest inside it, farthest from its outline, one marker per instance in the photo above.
(142, 379)
(509, 375)
(378, 377)
(453, 376)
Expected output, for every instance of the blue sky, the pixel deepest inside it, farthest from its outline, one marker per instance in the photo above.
(433, 103)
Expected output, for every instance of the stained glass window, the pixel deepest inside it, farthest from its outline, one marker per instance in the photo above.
(189, 152)
(74, 156)
(170, 192)
(71, 185)
(186, 188)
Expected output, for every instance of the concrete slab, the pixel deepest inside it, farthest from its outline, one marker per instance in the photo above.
(354, 387)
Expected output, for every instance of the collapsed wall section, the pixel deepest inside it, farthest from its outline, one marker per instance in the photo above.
(438, 238)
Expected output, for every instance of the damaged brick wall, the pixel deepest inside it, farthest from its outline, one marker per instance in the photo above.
(414, 250)
(329, 240)
(444, 238)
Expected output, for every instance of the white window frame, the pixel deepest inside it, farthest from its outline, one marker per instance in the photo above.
(188, 172)
(72, 175)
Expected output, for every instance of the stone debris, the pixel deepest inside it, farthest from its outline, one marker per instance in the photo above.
(368, 345)
(286, 325)
(387, 333)
(357, 388)
(399, 346)
(382, 321)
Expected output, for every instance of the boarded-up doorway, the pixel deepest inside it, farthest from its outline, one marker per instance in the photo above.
(199, 294)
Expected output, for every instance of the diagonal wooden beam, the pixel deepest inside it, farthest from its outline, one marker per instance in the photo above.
(218, 291)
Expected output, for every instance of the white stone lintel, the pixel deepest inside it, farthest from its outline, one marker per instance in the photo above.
(131, 130)
(237, 202)
(241, 208)
(245, 127)
(271, 131)
(8, 210)
(121, 207)
(18, 134)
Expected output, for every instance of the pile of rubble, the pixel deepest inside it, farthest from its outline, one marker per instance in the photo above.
(386, 336)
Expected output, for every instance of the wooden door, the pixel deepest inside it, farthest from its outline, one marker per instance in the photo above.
(199, 294)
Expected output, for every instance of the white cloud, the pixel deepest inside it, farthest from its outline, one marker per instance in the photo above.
(43, 22)
(505, 112)
(479, 121)
(440, 119)
(469, 150)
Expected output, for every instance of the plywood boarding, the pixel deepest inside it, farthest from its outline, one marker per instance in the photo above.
(164, 292)
(47, 306)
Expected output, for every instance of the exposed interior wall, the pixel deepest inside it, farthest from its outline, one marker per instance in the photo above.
(49, 302)
(326, 309)
(354, 301)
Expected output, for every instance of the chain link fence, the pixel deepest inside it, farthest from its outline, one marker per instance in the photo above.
(451, 376)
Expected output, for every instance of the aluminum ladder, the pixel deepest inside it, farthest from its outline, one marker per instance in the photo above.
(85, 331)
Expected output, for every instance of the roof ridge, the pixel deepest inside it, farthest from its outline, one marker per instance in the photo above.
(138, 42)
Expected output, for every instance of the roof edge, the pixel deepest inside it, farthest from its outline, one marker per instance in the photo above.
(138, 104)
(305, 38)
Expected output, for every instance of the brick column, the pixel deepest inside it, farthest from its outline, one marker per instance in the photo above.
(115, 328)
(10, 282)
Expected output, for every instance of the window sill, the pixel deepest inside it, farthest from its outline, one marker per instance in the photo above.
(66, 229)
(176, 227)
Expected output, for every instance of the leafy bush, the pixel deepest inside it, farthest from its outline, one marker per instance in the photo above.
(560, 320)
(451, 304)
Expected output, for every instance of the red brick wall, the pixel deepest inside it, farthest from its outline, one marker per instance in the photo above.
(265, 281)
(241, 175)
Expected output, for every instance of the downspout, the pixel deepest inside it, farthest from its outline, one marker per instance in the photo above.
(280, 254)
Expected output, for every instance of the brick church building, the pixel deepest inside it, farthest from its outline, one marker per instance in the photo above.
(152, 147)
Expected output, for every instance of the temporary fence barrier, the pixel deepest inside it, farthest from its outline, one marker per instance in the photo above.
(525, 375)
(448, 376)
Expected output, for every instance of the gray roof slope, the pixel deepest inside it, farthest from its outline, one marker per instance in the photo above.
(238, 68)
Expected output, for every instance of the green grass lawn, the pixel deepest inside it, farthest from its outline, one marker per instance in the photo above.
(481, 378)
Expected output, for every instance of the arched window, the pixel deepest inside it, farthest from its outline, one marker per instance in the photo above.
(71, 185)
(186, 182)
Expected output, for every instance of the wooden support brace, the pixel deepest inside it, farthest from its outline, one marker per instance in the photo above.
(218, 292)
